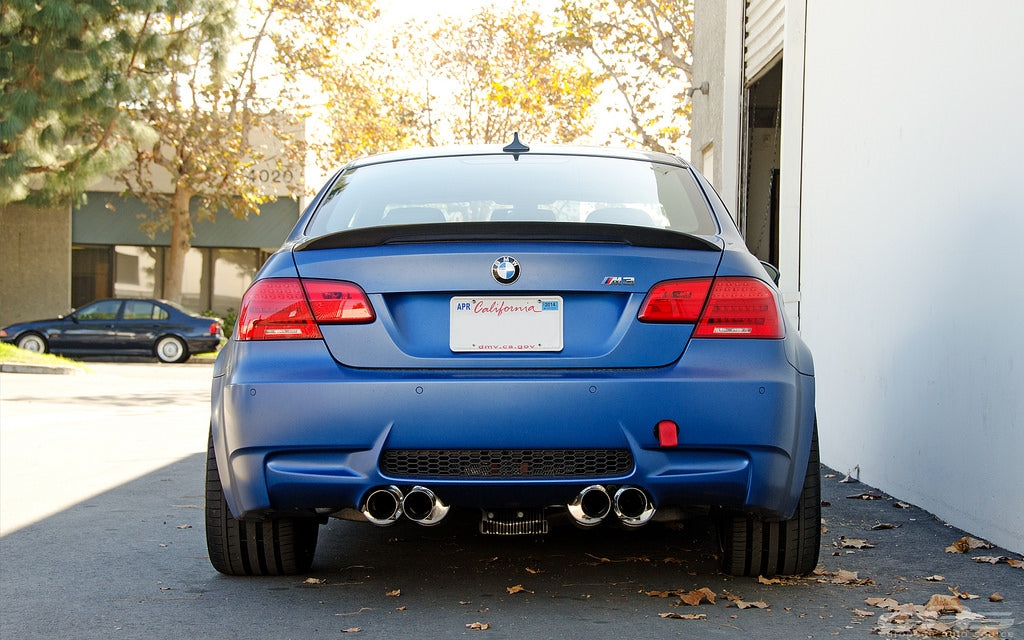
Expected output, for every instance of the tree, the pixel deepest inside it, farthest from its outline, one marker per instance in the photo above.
(510, 75)
(473, 81)
(223, 86)
(68, 71)
(643, 48)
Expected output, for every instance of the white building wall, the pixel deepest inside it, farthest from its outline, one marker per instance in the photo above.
(912, 227)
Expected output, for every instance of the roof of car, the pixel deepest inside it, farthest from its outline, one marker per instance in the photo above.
(494, 149)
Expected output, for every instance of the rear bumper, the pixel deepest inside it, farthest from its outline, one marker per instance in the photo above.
(294, 430)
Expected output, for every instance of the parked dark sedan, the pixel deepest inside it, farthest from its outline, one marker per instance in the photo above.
(124, 326)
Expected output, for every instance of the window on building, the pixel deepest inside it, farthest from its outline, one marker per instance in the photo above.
(214, 279)
(91, 274)
(138, 271)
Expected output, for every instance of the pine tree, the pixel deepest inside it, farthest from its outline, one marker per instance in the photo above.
(69, 70)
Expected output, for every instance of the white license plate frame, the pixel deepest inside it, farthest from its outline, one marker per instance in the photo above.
(506, 324)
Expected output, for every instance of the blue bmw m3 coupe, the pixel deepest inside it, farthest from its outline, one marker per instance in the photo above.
(539, 336)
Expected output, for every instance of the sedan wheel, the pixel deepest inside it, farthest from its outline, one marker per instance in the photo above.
(32, 342)
(171, 349)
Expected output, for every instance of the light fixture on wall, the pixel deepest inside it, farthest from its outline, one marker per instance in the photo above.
(703, 88)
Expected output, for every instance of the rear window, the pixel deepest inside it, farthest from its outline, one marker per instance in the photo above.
(499, 188)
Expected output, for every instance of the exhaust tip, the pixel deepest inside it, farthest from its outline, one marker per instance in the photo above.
(383, 505)
(421, 505)
(590, 506)
(633, 507)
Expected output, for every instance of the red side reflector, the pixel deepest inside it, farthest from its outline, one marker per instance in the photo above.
(668, 433)
(675, 301)
(740, 308)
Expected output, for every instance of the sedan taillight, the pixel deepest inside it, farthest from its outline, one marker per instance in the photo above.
(727, 307)
(292, 309)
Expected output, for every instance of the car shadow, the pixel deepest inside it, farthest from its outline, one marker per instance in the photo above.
(132, 562)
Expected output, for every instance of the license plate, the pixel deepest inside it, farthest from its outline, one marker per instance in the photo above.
(500, 324)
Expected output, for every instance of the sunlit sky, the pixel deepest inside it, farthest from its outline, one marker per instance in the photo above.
(400, 10)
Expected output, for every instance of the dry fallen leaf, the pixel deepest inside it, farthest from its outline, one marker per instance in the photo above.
(865, 496)
(863, 614)
(660, 594)
(402, 608)
(740, 604)
(695, 597)
(532, 571)
(465, 602)
(1017, 564)
(935, 578)
(479, 626)
(963, 595)
(842, 576)
(854, 543)
(900, 505)
(995, 597)
(352, 630)
(517, 589)
(967, 543)
(184, 526)
(944, 604)
(684, 616)
(314, 581)
(885, 525)
(932, 629)
(393, 594)
(764, 580)
(882, 603)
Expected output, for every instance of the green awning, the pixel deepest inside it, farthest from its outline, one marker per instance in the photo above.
(110, 219)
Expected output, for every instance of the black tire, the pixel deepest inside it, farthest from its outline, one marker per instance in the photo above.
(752, 547)
(33, 342)
(280, 546)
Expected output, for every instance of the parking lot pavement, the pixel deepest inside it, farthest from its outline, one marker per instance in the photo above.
(126, 557)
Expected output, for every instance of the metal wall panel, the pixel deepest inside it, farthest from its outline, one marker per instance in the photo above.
(765, 31)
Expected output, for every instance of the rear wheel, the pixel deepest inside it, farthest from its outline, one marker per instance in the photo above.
(752, 546)
(32, 342)
(279, 546)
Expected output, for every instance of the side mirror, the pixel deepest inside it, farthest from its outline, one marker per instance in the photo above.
(773, 272)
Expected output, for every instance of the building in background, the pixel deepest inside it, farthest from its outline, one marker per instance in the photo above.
(871, 150)
(54, 260)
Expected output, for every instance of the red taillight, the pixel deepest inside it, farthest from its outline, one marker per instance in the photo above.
(214, 328)
(740, 308)
(290, 309)
(675, 301)
(275, 309)
(335, 302)
(735, 307)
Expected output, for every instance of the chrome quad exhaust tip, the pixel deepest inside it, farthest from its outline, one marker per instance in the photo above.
(422, 506)
(633, 506)
(590, 506)
(383, 505)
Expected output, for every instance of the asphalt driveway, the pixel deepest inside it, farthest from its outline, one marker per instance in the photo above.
(102, 537)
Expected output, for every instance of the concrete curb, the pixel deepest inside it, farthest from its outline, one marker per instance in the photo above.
(15, 367)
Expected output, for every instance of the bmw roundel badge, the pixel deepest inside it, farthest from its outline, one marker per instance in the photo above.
(505, 270)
